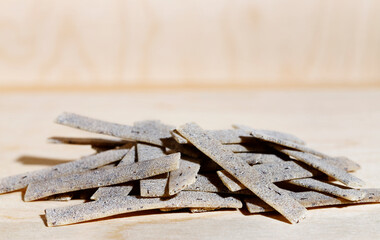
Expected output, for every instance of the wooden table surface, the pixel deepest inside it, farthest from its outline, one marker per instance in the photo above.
(338, 122)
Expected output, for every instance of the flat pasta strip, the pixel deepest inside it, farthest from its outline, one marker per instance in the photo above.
(276, 134)
(313, 184)
(279, 141)
(251, 178)
(102, 177)
(274, 172)
(225, 136)
(95, 142)
(311, 199)
(112, 206)
(139, 133)
(20, 181)
(280, 171)
(325, 167)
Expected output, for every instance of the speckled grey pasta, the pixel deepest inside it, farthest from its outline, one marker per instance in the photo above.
(242, 171)
(102, 177)
(86, 163)
(313, 199)
(122, 204)
(325, 167)
(313, 184)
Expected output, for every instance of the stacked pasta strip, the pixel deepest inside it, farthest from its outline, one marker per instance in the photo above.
(151, 165)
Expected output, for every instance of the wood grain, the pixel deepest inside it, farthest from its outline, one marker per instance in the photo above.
(343, 122)
(116, 43)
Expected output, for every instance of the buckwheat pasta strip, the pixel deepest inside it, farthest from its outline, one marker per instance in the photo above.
(251, 178)
(285, 136)
(95, 142)
(313, 199)
(135, 133)
(225, 136)
(102, 177)
(112, 206)
(279, 171)
(313, 184)
(323, 166)
(20, 181)
(285, 143)
(274, 172)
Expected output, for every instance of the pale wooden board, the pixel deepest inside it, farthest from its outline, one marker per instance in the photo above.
(343, 123)
(98, 43)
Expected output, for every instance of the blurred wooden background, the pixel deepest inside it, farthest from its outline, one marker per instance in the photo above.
(115, 43)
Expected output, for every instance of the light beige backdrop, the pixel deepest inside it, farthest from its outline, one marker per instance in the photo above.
(115, 43)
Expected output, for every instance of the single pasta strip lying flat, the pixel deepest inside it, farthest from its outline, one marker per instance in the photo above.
(325, 167)
(102, 177)
(20, 181)
(313, 199)
(313, 184)
(251, 178)
(112, 206)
